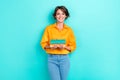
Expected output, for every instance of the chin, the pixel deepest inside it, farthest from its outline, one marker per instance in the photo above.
(60, 21)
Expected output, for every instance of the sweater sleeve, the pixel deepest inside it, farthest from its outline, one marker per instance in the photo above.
(72, 41)
(45, 39)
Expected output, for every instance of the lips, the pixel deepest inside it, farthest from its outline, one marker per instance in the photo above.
(61, 18)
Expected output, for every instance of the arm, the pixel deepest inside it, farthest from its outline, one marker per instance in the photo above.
(45, 40)
(71, 42)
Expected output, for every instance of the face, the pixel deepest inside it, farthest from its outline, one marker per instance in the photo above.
(60, 16)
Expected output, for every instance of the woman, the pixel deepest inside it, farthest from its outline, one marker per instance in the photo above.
(58, 40)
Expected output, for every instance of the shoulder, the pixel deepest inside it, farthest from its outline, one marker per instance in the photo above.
(68, 27)
(50, 26)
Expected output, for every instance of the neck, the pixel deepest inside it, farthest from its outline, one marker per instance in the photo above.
(60, 25)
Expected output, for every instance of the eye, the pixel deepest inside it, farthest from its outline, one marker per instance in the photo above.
(57, 13)
(63, 13)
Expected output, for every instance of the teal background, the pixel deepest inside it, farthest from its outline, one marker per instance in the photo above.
(96, 25)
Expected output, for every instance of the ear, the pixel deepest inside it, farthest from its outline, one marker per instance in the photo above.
(55, 17)
(65, 16)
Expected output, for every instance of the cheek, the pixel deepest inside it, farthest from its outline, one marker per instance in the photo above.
(65, 16)
(56, 16)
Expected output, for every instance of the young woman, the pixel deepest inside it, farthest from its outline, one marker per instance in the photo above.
(58, 40)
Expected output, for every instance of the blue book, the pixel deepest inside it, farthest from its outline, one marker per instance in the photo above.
(57, 41)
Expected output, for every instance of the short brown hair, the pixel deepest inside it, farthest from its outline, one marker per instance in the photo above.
(64, 9)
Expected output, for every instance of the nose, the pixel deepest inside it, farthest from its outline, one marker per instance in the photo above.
(61, 15)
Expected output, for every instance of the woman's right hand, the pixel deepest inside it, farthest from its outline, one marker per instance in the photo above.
(53, 46)
(50, 47)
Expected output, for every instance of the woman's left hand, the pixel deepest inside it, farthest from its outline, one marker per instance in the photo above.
(61, 46)
(67, 48)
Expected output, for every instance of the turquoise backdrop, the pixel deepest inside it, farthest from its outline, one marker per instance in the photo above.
(96, 25)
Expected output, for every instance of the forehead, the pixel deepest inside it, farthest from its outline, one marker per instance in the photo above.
(59, 11)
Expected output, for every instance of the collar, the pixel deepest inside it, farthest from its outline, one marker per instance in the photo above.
(64, 25)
